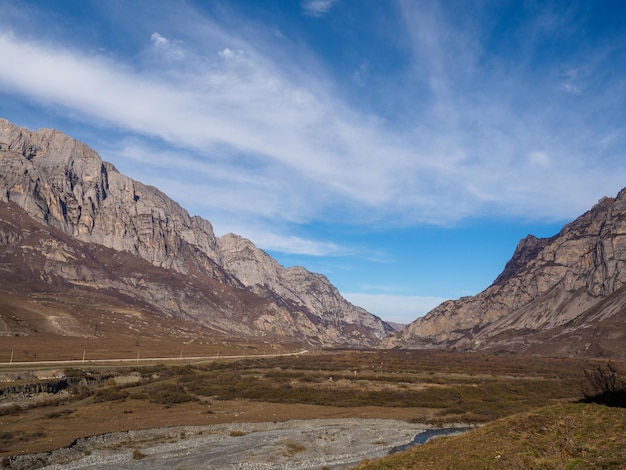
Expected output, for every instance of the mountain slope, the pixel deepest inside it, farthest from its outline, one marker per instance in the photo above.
(558, 295)
(168, 260)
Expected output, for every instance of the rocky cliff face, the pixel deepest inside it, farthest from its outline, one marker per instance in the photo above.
(229, 284)
(551, 290)
(297, 287)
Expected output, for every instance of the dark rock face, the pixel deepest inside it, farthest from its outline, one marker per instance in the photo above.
(24, 390)
(68, 218)
(561, 295)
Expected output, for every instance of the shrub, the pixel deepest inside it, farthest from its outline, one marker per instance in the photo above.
(293, 448)
(10, 410)
(170, 394)
(605, 385)
(59, 413)
(6, 436)
(110, 394)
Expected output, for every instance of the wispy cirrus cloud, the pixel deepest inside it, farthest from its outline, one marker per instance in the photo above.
(254, 128)
(317, 7)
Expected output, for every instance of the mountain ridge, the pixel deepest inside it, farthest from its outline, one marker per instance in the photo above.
(64, 184)
(548, 286)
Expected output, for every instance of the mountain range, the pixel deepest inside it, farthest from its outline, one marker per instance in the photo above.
(81, 245)
(72, 222)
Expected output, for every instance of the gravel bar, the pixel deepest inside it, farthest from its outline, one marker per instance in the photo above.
(289, 445)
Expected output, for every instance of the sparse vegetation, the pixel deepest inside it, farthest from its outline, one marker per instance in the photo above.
(433, 387)
(8, 410)
(59, 413)
(169, 394)
(5, 437)
(293, 448)
(468, 388)
(563, 436)
(110, 394)
(9, 438)
(138, 454)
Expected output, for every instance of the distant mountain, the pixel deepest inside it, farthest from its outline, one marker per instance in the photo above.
(70, 222)
(563, 295)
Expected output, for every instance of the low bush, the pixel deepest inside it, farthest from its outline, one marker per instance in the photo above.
(293, 448)
(112, 394)
(10, 410)
(169, 394)
(59, 413)
(6, 437)
(138, 455)
(605, 385)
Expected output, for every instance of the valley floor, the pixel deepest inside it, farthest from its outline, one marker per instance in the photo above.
(339, 407)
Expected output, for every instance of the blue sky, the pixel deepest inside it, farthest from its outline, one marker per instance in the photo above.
(401, 148)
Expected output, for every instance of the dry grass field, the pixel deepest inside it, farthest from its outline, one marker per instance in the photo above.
(418, 386)
(560, 436)
(60, 348)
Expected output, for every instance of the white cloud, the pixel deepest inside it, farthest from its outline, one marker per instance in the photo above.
(360, 75)
(394, 308)
(572, 88)
(167, 48)
(207, 187)
(297, 245)
(226, 53)
(268, 134)
(159, 40)
(574, 79)
(317, 7)
(252, 108)
(538, 159)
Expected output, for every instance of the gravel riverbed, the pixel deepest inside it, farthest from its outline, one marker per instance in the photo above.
(289, 445)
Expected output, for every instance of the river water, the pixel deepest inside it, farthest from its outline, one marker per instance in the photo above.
(424, 436)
